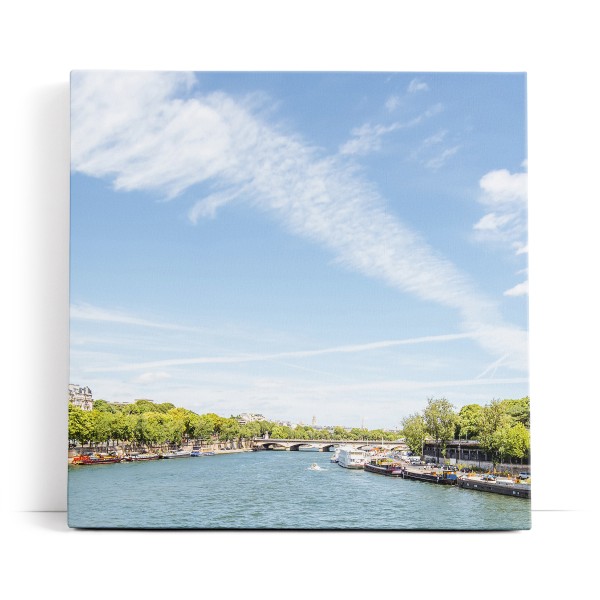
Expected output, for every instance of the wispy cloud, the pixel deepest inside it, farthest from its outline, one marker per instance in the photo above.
(521, 289)
(438, 161)
(493, 222)
(393, 102)
(369, 137)
(416, 85)
(152, 377)
(246, 358)
(434, 151)
(161, 141)
(88, 312)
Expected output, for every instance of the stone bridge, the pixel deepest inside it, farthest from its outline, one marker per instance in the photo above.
(323, 445)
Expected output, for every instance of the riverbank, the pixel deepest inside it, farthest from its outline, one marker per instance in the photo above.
(120, 453)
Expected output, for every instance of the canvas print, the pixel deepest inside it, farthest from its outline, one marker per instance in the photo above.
(299, 300)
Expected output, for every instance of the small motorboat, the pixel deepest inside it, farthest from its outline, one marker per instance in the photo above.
(315, 467)
(176, 454)
(139, 456)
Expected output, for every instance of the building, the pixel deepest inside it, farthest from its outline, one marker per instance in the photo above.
(81, 396)
(462, 452)
(245, 418)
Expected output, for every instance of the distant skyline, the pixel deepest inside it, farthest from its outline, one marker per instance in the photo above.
(343, 245)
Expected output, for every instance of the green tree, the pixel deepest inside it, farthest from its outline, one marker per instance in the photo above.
(142, 406)
(80, 425)
(282, 432)
(207, 426)
(302, 432)
(229, 429)
(339, 433)
(468, 421)
(104, 406)
(266, 427)
(494, 424)
(440, 421)
(253, 429)
(174, 426)
(183, 423)
(149, 428)
(376, 435)
(518, 410)
(518, 442)
(123, 427)
(414, 432)
(102, 426)
(356, 433)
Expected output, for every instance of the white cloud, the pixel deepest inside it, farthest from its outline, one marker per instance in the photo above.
(88, 312)
(156, 140)
(367, 138)
(440, 160)
(431, 152)
(207, 207)
(416, 85)
(152, 377)
(521, 289)
(492, 222)
(246, 358)
(433, 140)
(506, 194)
(502, 188)
(392, 103)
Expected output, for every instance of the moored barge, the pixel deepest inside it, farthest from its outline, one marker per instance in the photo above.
(443, 478)
(96, 459)
(384, 466)
(517, 490)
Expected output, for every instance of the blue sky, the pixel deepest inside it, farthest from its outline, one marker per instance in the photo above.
(337, 245)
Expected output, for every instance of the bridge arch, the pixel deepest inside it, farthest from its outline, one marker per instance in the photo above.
(296, 447)
(271, 445)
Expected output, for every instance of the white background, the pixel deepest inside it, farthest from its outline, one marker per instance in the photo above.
(554, 42)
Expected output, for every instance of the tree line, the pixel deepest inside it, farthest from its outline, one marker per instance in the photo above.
(501, 427)
(146, 423)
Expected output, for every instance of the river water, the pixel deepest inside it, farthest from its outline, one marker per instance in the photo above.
(275, 490)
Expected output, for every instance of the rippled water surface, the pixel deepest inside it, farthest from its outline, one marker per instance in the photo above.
(275, 490)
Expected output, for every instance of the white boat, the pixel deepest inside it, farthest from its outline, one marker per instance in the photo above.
(351, 458)
(315, 467)
(336, 455)
(176, 454)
